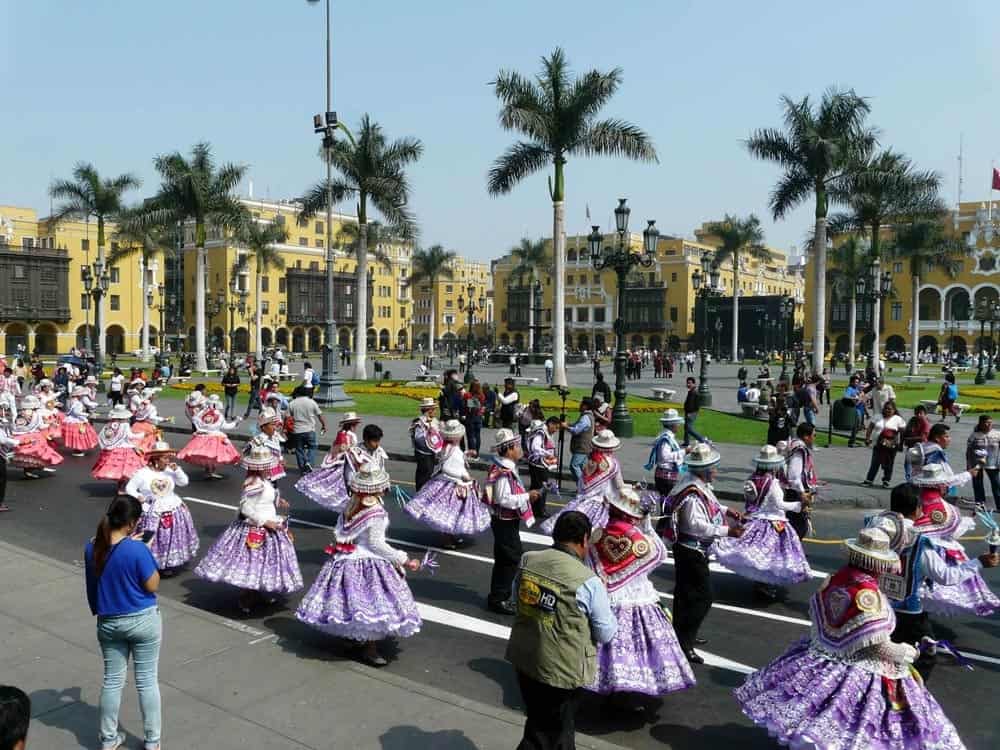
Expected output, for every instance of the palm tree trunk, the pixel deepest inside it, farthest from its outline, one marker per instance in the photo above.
(361, 303)
(559, 288)
(258, 315)
(852, 322)
(915, 322)
(734, 354)
(99, 339)
(819, 276)
(430, 337)
(876, 320)
(201, 258)
(144, 343)
(531, 316)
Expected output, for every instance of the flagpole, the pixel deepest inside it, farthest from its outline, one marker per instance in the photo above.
(989, 204)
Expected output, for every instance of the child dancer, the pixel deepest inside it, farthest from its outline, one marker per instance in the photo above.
(119, 458)
(146, 420)
(164, 515)
(361, 592)
(256, 552)
(326, 485)
(769, 552)
(269, 423)
(334, 493)
(77, 434)
(209, 447)
(33, 451)
(644, 656)
(450, 502)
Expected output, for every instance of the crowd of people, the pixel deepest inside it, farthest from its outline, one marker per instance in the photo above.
(585, 612)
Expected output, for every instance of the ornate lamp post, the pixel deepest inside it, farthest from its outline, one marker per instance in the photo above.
(88, 285)
(875, 288)
(160, 308)
(767, 337)
(451, 345)
(983, 314)
(994, 320)
(213, 306)
(472, 308)
(237, 301)
(718, 338)
(706, 282)
(409, 335)
(621, 259)
(96, 280)
(787, 309)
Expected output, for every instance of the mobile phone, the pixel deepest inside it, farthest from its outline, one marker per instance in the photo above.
(147, 536)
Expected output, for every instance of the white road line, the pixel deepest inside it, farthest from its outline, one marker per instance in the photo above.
(446, 617)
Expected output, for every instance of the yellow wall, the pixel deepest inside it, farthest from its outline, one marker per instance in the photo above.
(448, 316)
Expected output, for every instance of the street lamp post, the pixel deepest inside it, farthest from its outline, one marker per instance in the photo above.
(983, 314)
(472, 308)
(767, 337)
(88, 285)
(994, 319)
(706, 282)
(718, 339)
(160, 308)
(96, 280)
(875, 288)
(237, 301)
(787, 309)
(622, 260)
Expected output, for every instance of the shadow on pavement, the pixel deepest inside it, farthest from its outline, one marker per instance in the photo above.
(409, 737)
(502, 673)
(722, 735)
(65, 709)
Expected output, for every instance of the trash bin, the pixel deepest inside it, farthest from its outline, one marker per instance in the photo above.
(845, 415)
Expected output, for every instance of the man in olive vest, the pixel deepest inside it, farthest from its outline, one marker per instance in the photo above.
(562, 612)
(581, 435)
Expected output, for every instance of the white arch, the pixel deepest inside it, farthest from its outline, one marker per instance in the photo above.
(984, 285)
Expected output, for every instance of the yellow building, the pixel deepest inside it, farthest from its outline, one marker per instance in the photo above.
(946, 304)
(451, 325)
(43, 302)
(660, 306)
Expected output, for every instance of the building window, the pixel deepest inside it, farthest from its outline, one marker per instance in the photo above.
(265, 283)
(673, 314)
(115, 277)
(582, 314)
(304, 241)
(281, 284)
(349, 309)
(319, 227)
(85, 245)
(447, 303)
(447, 288)
(281, 308)
(83, 272)
(673, 276)
(402, 312)
(319, 242)
(116, 302)
(84, 301)
(897, 267)
(265, 307)
(897, 310)
(314, 265)
(599, 314)
(570, 280)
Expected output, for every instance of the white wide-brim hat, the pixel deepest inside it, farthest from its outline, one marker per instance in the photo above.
(268, 416)
(670, 416)
(31, 402)
(768, 457)
(628, 501)
(503, 438)
(79, 391)
(932, 475)
(371, 480)
(871, 551)
(606, 440)
(453, 430)
(119, 412)
(702, 456)
(895, 527)
(160, 448)
(259, 458)
(535, 424)
(350, 417)
(427, 403)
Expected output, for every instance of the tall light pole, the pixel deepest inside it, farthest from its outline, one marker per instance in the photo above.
(706, 282)
(621, 259)
(787, 309)
(994, 319)
(331, 387)
(874, 287)
(96, 280)
(472, 308)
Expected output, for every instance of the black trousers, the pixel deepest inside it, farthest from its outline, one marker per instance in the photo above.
(551, 715)
(910, 629)
(507, 553)
(664, 487)
(692, 594)
(539, 476)
(882, 458)
(3, 479)
(799, 521)
(425, 467)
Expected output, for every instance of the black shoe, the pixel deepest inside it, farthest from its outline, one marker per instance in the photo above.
(502, 608)
(700, 641)
(885, 484)
(692, 657)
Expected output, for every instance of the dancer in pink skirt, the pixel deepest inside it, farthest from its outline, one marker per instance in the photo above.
(120, 457)
(165, 517)
(256, 552)
(77, 434)
(209, 447)
(146, 421)
(33, 452)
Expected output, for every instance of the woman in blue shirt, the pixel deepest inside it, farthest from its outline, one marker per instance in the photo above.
(122, 580)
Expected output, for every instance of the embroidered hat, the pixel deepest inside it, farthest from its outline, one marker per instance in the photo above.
(350, 417)
(33, 402)
(195, 397)
(119, 412)
(871, 551)
(259, 458)
(768, 457)
(160, 448)
(268, 416)
(453, 430)
(427, 403)
(44, 383)
(702, 456)
(91, 380)
(606, 440)
(138, 381)
(503, 438)
(214, 400)
(370, 480)
(628, 501)
(932, 475)
(79, 391)
(895, 527)
(670, 416)
(535, 424)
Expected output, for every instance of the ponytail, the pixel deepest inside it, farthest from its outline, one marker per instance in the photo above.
(124, 511)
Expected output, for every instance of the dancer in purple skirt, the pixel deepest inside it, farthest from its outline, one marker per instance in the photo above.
(450, 502)
(848, 686)
(165, 517)
(329, 486)
(361, 592)
(269, 422)
(602, 479)
(256, 552)
(769, 552)
(644, 656)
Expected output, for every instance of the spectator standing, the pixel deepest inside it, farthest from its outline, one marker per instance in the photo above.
(692, 405)
(309, 379)
(552, 641)
(981, 450)
(15, 714)
(888, 431)
(601, 387)
(948, 397)
(253, 376)
(809, 399)
(305, 413)
(473, 409)
(882, 394)
(122, 580)
(854, 394)
(549, 367)
(581, 438)
(231, 384)
(116, 387)
(508, 401)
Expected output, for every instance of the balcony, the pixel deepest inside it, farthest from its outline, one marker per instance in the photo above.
(644, 284)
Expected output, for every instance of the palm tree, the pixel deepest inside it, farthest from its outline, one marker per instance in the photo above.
(195, 189)
(532, 260)
(85, 196)
(259, 239)
(738, 237)
(884, 188)
(819, 145)
(557, 113)
(851, 261)
(371, 170)
(923, 243)
(349, 240)
(429, 265)
(147, 243)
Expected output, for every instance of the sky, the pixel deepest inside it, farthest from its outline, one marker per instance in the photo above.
(115, 83)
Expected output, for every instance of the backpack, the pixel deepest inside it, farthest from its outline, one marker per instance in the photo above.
(315, 379)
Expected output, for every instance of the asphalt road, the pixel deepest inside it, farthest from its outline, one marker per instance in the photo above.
(460, 648)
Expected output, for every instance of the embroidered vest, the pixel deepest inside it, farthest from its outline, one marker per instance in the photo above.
(755, 490)
(903, 591)
(496, 474)
(693, 493)
(939, 518)
(620, 552)
(850, 612)
(808, 468)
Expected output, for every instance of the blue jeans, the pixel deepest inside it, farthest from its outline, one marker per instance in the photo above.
(230, 406)
(138, 635)
(689, 431)
(474, 431)
(576, 467)
(548, 376)
(810, 415)
(305, 449)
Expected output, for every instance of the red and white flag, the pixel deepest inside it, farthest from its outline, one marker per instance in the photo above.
(996, 178)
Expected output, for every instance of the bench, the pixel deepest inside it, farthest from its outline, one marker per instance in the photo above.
(753, 410)
(420, 384)
(917, 378)
(664, 394)
(284, 376)
(960, 368)
(207, 373)
(932, 406)
(524, 380)
(427, 378)
(180, 378)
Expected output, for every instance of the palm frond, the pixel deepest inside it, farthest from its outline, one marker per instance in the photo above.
(516, 163)
(616, 138)
(794, 187)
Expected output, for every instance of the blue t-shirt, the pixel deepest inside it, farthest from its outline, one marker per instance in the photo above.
(853, 392)
(120, 589)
